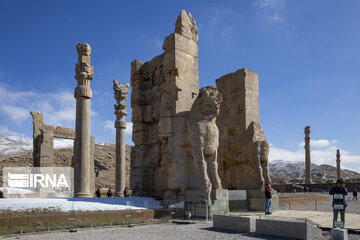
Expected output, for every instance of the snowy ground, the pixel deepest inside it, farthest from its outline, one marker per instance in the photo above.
(78, 204)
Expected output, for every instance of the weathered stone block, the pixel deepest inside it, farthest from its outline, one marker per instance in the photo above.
(288, 228)
(240, 224)
(237, 200)
(339, 234)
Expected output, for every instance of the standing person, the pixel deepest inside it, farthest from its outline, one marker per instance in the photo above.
(126, 192)
(98, 192)
(109, 193)
(355, 195)
(339, 189)
(268, 197)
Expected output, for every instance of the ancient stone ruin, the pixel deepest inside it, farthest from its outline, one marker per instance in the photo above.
(307, 156)
(163, 92)
(243, 149)
(120, 94)
(190, 143)
(83, 94)
(338, 168)
(177, 135)
(43, 144)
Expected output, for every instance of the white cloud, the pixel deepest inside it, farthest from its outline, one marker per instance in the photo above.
(283, 154)
(268, 3)
(129, 126)
(59, 108)
(109, 125)
(4, 130)
(271, 10)
(226, 31)
(320, 143)
(219, 15)
(15, 113)
(323, 151)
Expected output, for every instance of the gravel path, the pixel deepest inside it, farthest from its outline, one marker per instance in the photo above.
(198, 231)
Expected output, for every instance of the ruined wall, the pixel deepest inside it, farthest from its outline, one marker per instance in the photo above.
(43, 143)
(243, 149)
(163, 91)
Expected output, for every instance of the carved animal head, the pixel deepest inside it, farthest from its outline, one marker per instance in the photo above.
(210, 100)
(120, 90)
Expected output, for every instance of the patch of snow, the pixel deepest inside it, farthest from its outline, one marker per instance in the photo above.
(106, 144)
(79, 204)
(63, 143)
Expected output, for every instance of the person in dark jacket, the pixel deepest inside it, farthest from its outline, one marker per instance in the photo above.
(126, 192)
(268, 197)
(355, 195)
(339, 189)
(109, 193)
(98, 194)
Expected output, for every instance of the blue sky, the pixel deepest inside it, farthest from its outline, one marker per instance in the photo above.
(305, 52)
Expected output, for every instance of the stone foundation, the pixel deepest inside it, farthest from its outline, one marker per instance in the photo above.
(197, 207)
(256, 200)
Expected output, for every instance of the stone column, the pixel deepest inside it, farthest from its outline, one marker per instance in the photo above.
(338, 175)
(84, 72)
(307, 156)
(120, 94)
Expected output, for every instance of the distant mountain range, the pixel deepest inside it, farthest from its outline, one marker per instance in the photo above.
(295, 171)
(16, 151)
(12, 145)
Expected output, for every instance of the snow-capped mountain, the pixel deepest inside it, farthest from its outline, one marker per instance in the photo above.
(296, 171)
(12, 145)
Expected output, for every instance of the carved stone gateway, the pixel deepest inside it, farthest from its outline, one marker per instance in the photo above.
(243, 149)
(163, 92)
(202, 141)
(178, 138)
(120, 94)
(174, 130)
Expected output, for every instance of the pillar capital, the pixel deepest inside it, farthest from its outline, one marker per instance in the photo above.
(120, 94)
(84, 71)
(83, 49)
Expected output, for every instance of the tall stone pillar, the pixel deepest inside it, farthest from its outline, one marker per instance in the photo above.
(120, 94)
(307, 156)
(338, 175)
(84, 72)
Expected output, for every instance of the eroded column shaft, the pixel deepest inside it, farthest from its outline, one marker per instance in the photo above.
(307, 156)
(83, 94)
(120, 94)
(120, 158)
(338, 168)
